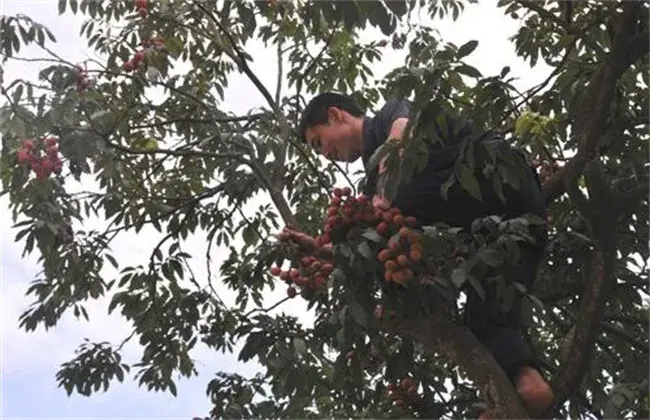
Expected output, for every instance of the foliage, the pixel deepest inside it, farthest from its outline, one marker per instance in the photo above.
(185, 167)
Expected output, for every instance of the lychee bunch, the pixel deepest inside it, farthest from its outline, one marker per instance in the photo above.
(344, 212)
(309, 273)
(134, 63)
(83, 82)
(42, 158)
(404, 251)
(155, 43)
(406, 391)
(404, 243)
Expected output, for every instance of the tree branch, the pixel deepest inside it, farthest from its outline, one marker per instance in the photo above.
(273, 183)
(460, 346)
(589, 125)
(592, 305)
(278, 86)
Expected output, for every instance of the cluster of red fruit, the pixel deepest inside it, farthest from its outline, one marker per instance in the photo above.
(406, 390)
(156, 43)
(345, 210)
(309, 272)
(82, 79)
(402, 253)
(141, 7)
(42, 165)
(546, 169)
(134, 63)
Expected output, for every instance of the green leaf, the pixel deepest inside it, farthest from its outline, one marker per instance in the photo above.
(358, 314)
(299, 346)
(364, 250)
(399, 7)
(458, 277)
(444, 188)
(371, 235)
(249, 235)
(468, 182)
(467, 49)
(468, 71)
(476, 285)
(490, 256)
(172, 388)
(62, 5)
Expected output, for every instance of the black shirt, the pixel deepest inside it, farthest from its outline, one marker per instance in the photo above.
(422, 197)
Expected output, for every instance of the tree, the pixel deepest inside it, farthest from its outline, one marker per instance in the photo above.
(184, 167)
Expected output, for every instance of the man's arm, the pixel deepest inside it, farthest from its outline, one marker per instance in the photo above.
(396, 133)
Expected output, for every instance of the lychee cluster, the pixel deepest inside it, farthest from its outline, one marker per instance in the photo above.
(404, 244)
(141, 7)
(42, 158)
(148, 44)
(402, 253)
(83, 82)
(309, 272)
(343, 212)
(403, 392)
(134, 62)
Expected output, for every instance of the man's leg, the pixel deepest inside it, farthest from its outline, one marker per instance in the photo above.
(501, 333)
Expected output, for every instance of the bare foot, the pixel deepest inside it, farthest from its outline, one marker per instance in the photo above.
(535, 393)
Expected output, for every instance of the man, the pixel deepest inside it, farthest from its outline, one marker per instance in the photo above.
(336, 127)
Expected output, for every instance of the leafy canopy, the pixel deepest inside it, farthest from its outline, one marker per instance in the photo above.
(181, 165)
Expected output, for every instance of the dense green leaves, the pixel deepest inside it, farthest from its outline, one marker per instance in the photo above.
(186, 170)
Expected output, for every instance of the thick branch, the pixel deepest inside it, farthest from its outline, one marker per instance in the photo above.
(587, 325)
(273, 183)
(589, 125)
(460, 346)
(275, 193)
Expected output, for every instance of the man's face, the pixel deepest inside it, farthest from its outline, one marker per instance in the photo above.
(336, 139)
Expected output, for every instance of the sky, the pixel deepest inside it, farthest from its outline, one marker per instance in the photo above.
(29, 361)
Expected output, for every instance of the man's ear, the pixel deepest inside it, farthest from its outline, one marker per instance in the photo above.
(334, 114)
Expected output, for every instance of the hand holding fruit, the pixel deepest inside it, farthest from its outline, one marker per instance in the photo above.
(304, 241)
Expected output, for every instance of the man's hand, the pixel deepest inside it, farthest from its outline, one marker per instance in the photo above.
(304, 241)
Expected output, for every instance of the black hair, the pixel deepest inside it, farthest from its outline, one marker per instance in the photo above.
(315, 112)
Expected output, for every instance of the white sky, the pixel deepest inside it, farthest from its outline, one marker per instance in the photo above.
(29, 361)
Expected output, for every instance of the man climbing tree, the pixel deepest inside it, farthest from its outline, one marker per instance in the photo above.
(336, 127)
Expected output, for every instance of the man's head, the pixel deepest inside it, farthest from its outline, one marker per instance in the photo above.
(333, 125)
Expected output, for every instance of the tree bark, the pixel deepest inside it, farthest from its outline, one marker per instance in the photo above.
(598, 212)
(458, 344)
